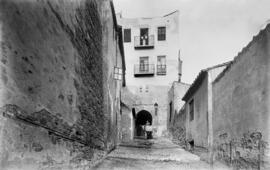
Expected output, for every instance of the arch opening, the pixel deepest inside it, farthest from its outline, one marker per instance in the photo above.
(142, 117)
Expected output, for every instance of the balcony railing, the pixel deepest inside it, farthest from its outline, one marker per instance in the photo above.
(144, 42)
(144, 70)
(161, 69)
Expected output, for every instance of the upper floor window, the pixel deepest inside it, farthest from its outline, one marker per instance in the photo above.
(144, 36)
(191, 110)
(161, 65)
(144, 68)
(161, 33)
(144, 64)
(127, 35)
(161, 60)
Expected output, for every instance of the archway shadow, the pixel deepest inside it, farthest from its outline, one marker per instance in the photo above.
(142, 117)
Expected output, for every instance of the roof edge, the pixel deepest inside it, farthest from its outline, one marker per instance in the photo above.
(176, 11)
(197, 82)
(244, 49)
(163, 16)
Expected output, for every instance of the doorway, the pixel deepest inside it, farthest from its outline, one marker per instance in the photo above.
(142, 117)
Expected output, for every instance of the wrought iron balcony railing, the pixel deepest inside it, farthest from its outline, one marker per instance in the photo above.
(161, 69)
(144, 70)
(144, 42)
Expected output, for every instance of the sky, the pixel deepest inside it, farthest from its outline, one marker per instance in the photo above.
(211, 31)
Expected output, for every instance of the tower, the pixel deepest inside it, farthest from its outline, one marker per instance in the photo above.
(153, 63)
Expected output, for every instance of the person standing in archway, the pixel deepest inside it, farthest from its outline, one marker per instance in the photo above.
(148, 129)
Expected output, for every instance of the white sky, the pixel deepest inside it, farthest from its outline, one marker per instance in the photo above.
(211, 31)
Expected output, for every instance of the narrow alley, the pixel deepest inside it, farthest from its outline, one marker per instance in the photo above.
(134, 85)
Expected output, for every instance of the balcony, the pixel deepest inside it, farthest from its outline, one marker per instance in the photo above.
(144, 42)
(161, 70)
(143, 70)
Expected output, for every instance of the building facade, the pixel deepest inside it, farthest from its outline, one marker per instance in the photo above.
(152, 65)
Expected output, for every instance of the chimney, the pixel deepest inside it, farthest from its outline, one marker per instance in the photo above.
(179, 67)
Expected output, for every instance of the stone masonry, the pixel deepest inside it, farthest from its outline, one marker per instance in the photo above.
(60, 103)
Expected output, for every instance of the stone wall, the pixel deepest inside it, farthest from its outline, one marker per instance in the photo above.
(59, 102)
(112, 57)
(176, 120)
(241, 106)
(178, 128)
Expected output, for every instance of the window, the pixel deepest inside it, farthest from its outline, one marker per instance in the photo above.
(127, 35)
(191, 110)
(144, 37)
(117, 73)
(161, 65)
(156, 109)
(161, 33)
(144, 64)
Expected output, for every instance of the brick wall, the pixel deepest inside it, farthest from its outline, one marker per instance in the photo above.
(59, 101)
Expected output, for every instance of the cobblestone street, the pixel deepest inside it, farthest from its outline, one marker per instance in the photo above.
(153, 154)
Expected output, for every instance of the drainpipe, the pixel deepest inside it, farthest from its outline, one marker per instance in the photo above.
(210, 117)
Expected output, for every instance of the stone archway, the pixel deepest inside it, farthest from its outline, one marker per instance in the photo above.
(141, 118)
